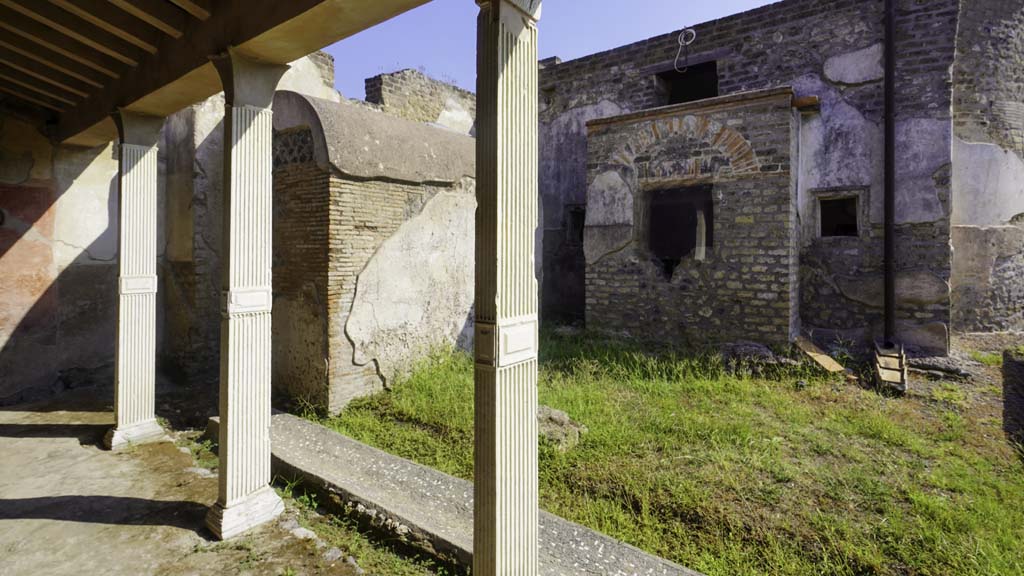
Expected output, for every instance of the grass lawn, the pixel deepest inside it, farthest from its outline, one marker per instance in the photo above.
(732, 474)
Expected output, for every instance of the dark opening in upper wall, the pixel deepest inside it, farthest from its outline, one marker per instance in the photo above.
(839, 217)
(575, 221)
(681, 225)
(698, 82)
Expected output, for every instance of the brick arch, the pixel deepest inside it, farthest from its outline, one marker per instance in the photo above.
(733, 154)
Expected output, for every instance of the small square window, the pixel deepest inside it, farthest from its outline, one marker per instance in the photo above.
(698, 82)
(838, 217)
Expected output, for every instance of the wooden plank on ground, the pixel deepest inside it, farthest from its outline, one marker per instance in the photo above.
(816, 354)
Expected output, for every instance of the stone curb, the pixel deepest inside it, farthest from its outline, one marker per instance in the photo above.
(431, 510)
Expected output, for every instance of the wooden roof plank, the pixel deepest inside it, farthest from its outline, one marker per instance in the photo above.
(11, 76)
(31, 67)
(159, 14)
(39, 34)
(41, 101)
(74, 27)
(56, 62)
(198, 8)
(115, 21)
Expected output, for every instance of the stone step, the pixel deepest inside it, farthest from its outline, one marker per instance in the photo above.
(432, 510)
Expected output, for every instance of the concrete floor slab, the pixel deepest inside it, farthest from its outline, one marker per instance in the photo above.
(67, 506)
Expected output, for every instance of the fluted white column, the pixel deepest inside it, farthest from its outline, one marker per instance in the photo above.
(135, 374)
(245, 498)
(505, 504)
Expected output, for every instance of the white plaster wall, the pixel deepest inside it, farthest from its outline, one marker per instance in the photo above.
(988, 184)
(417, 291)
(85, 229)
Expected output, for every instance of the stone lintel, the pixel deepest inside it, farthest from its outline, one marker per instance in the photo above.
(739, 100)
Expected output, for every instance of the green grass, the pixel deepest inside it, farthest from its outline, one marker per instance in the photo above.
(369, 552)
(987, 358)
(732, 474)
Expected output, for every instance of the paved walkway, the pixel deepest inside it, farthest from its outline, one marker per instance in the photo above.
(69, 507)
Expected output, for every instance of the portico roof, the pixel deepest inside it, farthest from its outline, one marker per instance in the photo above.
(73, 62)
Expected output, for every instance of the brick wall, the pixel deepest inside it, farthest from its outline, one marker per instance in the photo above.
(746, 286)
(301, 238)
(789, 43)
(412, 95)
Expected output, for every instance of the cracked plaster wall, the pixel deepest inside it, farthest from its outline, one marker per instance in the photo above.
(58, 253)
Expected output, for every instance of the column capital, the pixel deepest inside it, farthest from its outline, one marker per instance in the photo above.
(246, 81)
(137, 129)
(529, 8)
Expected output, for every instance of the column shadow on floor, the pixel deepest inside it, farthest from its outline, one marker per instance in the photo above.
(112, 510)
(87, 434)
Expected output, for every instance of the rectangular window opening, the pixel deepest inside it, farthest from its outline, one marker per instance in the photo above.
(698, 82)
(681, 225)
(838, 217)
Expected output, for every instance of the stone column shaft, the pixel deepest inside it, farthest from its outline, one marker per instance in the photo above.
(135, 374)
(505, 503)
(245, 498)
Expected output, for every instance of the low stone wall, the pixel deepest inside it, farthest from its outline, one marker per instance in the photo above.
(746, 287)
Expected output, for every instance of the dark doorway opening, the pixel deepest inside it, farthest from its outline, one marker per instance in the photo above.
(681, 225)
(698, 82)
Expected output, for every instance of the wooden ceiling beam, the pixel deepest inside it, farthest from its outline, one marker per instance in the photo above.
(11, 76)
(115, 21)
(56, 62)
(32, 68)
(159, 14)
(77, 29)
(197, 8)
(40, 100)
(35, 32)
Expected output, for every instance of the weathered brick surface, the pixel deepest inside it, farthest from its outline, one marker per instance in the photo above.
(415, 96)
(746, 286)
(327, 227)
(783, 44)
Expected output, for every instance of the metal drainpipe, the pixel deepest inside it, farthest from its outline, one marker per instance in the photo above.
(890, 173)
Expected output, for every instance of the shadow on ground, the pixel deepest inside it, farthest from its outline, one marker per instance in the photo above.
(113, 510)
(87, 434)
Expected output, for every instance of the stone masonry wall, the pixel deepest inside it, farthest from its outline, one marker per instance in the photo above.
(412, 95)
(826, 48)
(988, 178)
(746, 287)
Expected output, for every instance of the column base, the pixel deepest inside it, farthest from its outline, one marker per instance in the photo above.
(257, 508)
(121, 437)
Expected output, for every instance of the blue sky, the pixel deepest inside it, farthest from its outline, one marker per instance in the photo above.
(440, 37)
